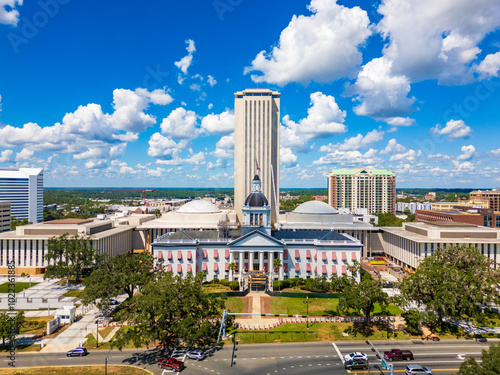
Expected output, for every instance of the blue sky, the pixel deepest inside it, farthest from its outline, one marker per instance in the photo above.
(121, 93)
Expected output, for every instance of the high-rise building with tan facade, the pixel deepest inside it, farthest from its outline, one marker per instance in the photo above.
(373, 189)
(256, 146)
(493, 196)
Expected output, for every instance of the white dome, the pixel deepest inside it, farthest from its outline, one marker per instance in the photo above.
(199, 206)
(315, 207)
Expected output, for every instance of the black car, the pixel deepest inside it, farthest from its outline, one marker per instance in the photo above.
(78, 352)
(356, 364)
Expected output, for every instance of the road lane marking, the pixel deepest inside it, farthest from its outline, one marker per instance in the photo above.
(338, 352)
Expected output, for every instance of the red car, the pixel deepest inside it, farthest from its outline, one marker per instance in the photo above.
(171, 363)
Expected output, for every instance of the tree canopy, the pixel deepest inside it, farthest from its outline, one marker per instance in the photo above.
(71, 256)
(490, 363)
(171, 308)
(362, 297)
(6, 323)
(122, 273)
(452, 282)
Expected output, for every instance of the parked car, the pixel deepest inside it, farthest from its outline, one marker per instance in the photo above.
(171, 364)
(356, 364)
(179, 352)
(356, 355)
(114, 301)
(417, 369)
(395, 354)
(78, 352)
(196, 354)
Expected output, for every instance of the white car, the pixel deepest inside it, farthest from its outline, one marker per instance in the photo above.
(417, 369)
(356, 356)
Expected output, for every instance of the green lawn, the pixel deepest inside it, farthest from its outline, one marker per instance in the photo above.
(234, 304)
(298, 332)
(19, 287)
(317, 307)
(74, 293)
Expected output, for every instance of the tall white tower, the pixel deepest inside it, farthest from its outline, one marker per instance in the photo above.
(256, 145)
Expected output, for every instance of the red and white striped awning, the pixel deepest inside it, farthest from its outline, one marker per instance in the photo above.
(323, 269)
(179, 255)
(189, 268)
(169, 255)
(204, 267)
(297, 254)
(189, 255)
(179, 268)
(344, 257)
(160, 254)
(216, 253)
(297, 267)
(216, 267)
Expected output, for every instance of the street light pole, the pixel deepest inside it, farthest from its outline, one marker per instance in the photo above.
(106, 361)
(307, 302)
(97, 333)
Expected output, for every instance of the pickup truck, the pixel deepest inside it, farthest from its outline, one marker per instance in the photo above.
(395, 354)
(171, 364)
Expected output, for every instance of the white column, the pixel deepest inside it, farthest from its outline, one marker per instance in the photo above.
(250, 259)
(241, 265)
(271, 261)
(281, 268)
(261, 260)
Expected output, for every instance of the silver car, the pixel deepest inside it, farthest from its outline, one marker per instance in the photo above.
(417, 369)
(196, 354)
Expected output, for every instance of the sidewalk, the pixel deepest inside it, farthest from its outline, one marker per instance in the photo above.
(260, 303)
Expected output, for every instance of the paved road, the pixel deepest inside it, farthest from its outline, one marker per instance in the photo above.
(275, 359)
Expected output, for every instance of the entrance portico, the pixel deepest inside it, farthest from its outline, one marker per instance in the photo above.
(256, 251)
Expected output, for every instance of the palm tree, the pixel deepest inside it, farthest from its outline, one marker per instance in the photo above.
(231, 267)
(277, 264)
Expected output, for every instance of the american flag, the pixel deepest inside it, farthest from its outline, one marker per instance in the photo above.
(257, 165)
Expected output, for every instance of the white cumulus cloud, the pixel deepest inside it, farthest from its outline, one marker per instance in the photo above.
(358, 142)
(184, 63)
(324, 119)
(469, 152)
(454, 129)
(490, 66)
(219, 123)
(322, 47)
(9, 15)
(180, 124)
(6, 156)
(430, 39)
(383, 95)
(287, 157)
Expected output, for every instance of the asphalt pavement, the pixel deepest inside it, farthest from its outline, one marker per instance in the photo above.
(443, 357)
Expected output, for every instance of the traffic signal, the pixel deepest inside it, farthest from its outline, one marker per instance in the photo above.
(384, 364)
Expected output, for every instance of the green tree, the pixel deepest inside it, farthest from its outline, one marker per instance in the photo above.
(122, 273)
(452, 282)
(338, 284)
(15, 222)
(157, 212)
(71, 257)
(6, 323)
(362, 298)
(276, 266)
(388, 220)
(412, 318)
(490, 363)
(171, 308)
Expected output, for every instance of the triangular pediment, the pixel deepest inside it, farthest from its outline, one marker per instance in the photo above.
(256, 239)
